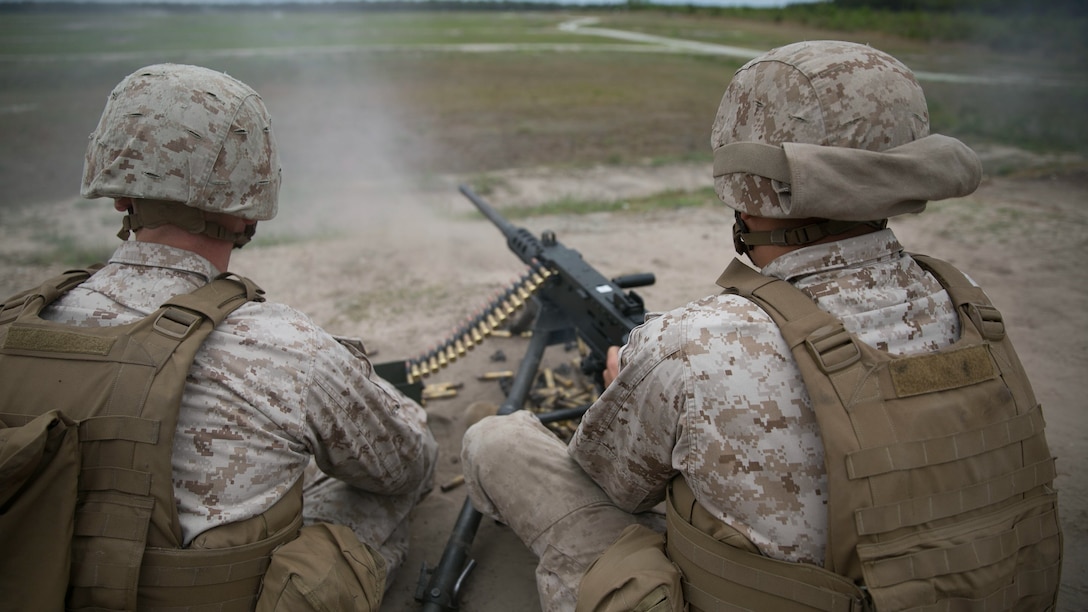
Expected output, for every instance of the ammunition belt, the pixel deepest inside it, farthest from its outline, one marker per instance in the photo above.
(478, 327)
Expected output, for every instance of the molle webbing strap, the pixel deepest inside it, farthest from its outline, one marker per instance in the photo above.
(910, 455)
(929, 508)
(48, 291)
(927, 563)
(1030, 584)
(135, 429)
(717, 576)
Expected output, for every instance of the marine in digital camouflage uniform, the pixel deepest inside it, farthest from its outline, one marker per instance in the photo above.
(271, 398)
(709, 391)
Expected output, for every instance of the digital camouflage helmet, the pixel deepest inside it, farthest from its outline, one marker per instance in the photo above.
(183, 139)
(834, 131)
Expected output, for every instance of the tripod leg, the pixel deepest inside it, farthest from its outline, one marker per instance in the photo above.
(438, 588)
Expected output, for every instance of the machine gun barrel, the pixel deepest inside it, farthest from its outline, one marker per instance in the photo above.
(520, 240)
(601, 312)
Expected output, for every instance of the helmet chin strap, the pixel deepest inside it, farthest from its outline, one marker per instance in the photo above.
(155, 213)
(744, 239)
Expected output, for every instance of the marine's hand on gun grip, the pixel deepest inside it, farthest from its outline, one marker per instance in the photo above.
(612, 366)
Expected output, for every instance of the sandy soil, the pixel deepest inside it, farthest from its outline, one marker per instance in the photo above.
(409, 270)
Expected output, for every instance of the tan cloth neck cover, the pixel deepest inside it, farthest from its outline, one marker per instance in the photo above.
(855, 184)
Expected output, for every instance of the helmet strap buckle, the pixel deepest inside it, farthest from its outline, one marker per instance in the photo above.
(156, 213)
(744, 240)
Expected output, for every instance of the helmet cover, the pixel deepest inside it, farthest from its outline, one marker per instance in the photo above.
(827, 93)
(185, 134)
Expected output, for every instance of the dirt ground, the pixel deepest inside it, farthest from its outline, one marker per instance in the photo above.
(409, 270)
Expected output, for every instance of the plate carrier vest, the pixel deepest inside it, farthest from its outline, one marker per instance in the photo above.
(122, 387)
(939, 473)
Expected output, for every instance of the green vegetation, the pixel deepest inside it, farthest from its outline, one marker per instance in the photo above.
(181, 29)
(1038, 119)
(1054, 28)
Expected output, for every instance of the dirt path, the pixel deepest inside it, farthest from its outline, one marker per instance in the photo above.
(586, 26)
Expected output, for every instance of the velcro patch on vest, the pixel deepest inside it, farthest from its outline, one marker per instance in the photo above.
(52, 341)
(941, 371)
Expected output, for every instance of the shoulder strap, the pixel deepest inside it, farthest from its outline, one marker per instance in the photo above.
(181, 315)
(835, 376)
(48, 291)
(172, 336)
(799, 318)
(219, 298)
(977, 311)
(967, 297)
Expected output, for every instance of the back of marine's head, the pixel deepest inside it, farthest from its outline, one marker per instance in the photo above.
(185, 135)
(832, 130)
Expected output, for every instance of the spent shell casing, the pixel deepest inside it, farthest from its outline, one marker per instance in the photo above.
(453, 483)
(440, 394)
(563, 380)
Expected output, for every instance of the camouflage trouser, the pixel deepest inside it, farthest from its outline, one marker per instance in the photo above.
(518, 472)
(380, 521)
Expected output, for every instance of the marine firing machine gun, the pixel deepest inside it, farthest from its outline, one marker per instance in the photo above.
(572, 300)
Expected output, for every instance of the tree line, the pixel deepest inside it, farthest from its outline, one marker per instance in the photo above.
(992, 7)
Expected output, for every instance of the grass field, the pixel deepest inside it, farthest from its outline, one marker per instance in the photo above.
(359, 92)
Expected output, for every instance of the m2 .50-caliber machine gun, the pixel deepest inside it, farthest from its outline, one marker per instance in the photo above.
(571, 300)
